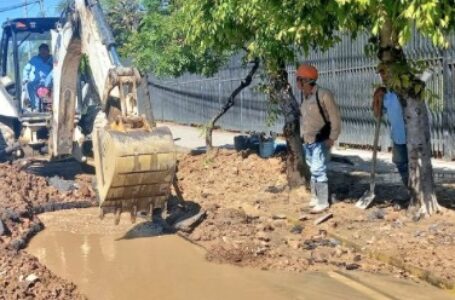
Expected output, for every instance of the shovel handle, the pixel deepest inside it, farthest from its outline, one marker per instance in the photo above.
(375, 150)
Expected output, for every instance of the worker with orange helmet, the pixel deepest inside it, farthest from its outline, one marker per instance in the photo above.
(320, 125)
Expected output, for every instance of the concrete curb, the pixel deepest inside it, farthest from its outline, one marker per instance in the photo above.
(420, 273)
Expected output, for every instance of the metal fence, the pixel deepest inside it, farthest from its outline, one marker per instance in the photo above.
(344, 69)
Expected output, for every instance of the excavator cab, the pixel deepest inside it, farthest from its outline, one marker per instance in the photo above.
(20, 42)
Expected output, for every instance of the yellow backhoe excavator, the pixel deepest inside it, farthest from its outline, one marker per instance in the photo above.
(113, 129)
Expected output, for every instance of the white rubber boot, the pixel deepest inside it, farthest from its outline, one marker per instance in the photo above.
(322, 192)
(314, 197)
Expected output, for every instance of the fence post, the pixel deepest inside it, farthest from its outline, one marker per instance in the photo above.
(447, 140)
(219, 90)
(241, 111)
(332, 73)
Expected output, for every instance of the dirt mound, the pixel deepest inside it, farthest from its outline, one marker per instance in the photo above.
(22, 196)
(253, 219)
(26, 191)
(23, 277)
(428, 244)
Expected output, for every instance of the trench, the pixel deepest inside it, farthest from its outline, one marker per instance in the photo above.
(138, 262)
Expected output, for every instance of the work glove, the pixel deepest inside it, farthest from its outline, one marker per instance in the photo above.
(378, 97)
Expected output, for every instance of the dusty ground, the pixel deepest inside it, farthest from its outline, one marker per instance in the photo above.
(428, 244)
(23, 195)
(253, 220)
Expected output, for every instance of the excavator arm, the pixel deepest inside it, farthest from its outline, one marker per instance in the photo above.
(134, 161)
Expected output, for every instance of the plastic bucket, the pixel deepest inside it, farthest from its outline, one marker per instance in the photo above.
(240, 142)
(267, 148)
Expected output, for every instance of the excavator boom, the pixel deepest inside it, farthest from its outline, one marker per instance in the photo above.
(134, 161)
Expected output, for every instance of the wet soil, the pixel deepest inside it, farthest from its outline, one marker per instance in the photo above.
(109, 262)
(105, 265)
(253, 220)
(22, 196)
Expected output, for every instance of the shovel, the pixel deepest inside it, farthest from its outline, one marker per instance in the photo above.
(368, 197)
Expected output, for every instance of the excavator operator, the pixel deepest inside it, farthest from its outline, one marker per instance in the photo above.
(35, 75)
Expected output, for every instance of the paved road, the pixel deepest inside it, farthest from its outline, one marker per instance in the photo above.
(190, 137)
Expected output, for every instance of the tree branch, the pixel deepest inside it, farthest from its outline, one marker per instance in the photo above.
(230, 102)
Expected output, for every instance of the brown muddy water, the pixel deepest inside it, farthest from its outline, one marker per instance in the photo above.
(136, 262)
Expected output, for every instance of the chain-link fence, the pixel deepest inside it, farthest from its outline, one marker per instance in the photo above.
(344, 69)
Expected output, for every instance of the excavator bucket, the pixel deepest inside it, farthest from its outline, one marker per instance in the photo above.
(134, 169)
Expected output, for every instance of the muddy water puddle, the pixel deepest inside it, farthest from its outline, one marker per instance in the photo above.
(136, 262)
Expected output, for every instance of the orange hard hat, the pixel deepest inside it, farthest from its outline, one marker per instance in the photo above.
(307, 72)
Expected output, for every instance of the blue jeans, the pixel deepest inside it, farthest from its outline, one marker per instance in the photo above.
(31, 89)
(316, 156)
(400, 159)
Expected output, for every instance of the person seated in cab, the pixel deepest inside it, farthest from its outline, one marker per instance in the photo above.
(35, 75)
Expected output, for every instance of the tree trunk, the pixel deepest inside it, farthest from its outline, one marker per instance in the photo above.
(410, 89)
(229, 103)
(421, 183)
(296, 169)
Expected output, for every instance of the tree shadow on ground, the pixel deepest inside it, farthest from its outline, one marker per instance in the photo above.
(446, 195)
(203, 149)
(350, 176)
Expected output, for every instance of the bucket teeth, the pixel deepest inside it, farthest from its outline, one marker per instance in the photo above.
(118, 213)
(133, 214)
(101, 214)
(151, 209)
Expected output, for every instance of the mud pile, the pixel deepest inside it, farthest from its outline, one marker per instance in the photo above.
(22, 196)
(253, 219)
(23, 277)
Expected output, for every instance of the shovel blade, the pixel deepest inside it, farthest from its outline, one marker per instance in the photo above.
(366, 200)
